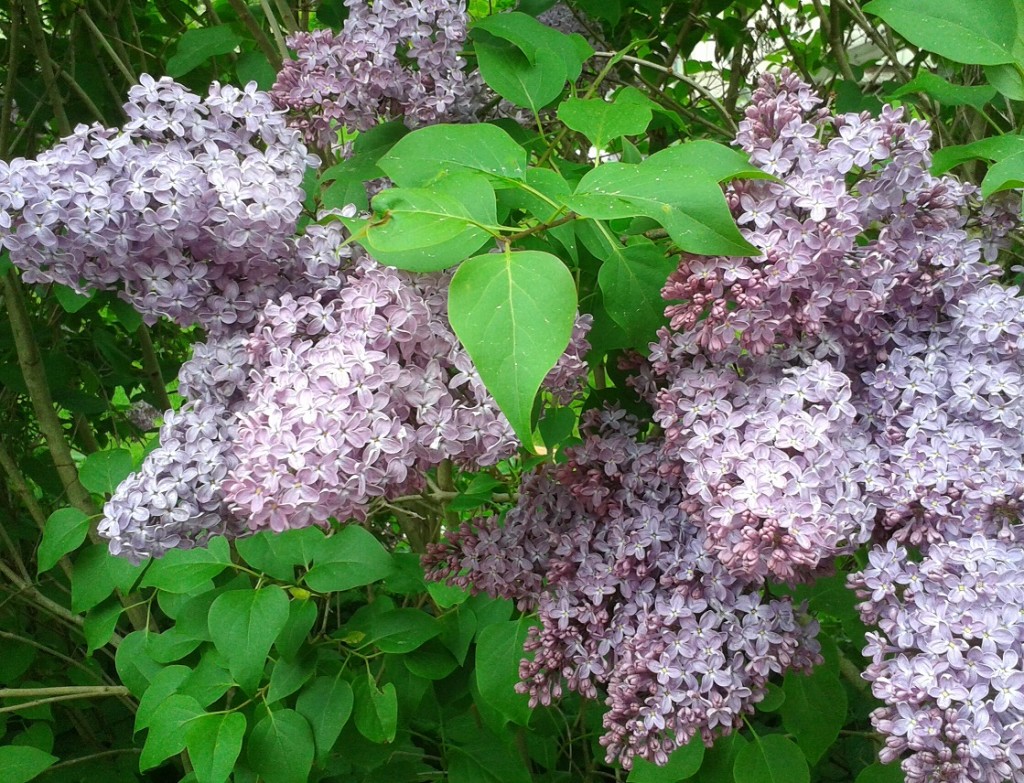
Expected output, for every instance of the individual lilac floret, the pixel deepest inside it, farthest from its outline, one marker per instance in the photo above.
(629, 600)
(390, 60)
(948, 660)
(189, 209)
(174, 501)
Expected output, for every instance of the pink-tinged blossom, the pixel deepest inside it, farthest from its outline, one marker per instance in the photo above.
(630, 602)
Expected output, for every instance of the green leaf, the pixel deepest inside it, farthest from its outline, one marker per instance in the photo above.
(327, 704)
(214, 742)
(946, 93)
(631, 280)
(64, 532)
(400, 630)
(301, 617)
(677, 187)
(200, 44)
(255, 67)
(720, 758)
(601, 121)
(1007, 79)
(167, 729)
(350, 558)
(376, 710)
(96, 574)
(682, 763)
(509, 73)
(171, 645)
(432, 661)
(979, 32)
(210, 679)
(100, 623)
(349, 177)
(436, 151)
(771, 759)
(484, 759)
(1004, 175)
(288, 676)
(992, 148)
(814, 710)
(533, 39)
(773, 698)
(70, 300)
(514, 313)
(102, 471)
(881, 773)
(165, 684)
(280, 749)
(499, 649)
(427, 229)
(135, 668)
(184, 570)
(22, 763)
(244, 625)
(277, 554)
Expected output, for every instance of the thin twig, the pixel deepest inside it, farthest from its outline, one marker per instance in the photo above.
(245, 15)
(46, 68)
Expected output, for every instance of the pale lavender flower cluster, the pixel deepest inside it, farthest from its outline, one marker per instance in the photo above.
(189, 209)
(390, 60)
(629, 599)
(948, 659)
(356, 391)
(174, 501)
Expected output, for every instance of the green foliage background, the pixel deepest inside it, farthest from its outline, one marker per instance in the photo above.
(325, 656)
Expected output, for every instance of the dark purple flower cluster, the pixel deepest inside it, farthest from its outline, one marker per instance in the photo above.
(189, 209)
(949, 658)
(628, 596)
(390, 60)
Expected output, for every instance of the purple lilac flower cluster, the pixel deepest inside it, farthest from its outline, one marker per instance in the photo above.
(390, 60)
(628, 596)
(948, 659)
(189, 208)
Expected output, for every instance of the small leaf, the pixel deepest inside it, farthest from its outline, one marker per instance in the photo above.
(509, 73)
(277, 554)
(814, 710)
(514, 313)
(428, 229)
(166, 733)
(771, 759)
(327, 704)
(683, 762)
(64, 532)
(244, 625)
(134, 666)
(498, 652)
(301, 618)
(1004, 175)
(400, 630)
(881, 773)
(376, 710)
(1007, 79)
(946, 93)
(184, 570)
(22, 763)
(70, 300)
(992, 148)
(100, 623)
(103, 471)
(436, 151)
(165, 684)
(979, 32)
(350, 558)
(280, 749)
(602, 121)
(677, 187)
(200, 44)
(214, 742)
(631, 279)
(96, 574)
(288, 676)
